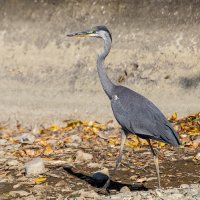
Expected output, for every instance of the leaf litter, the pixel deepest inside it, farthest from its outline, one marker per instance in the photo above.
(78, 149)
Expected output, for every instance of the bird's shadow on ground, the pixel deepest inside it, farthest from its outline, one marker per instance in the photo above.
(100, 179)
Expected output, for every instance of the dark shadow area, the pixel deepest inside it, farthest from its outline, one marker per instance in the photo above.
(100, 180)
(190, 82)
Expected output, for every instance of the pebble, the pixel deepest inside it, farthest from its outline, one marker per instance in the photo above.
(151, 178)
(82, 156)
(2, 153)
(184, 186)
(134, 177)
(35, 167)
(61, 183)
(17, 185)
(27, 138)
(175, 196)
(3, 160)
(185, 192)
(40, 188)
(197, 157)
(196, 142)
(86, 195)
(13, 147)
(52, 142)
(31, 197)
(18, 193)
(124, 189)
(94, 165)
(75, 138)
(3, 142)
(13, 162)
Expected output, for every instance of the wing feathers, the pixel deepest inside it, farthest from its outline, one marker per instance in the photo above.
(138, 115)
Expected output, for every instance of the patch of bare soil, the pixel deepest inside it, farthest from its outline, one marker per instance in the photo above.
(79, 155)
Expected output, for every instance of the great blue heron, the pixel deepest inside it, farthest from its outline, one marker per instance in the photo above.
(136, 114)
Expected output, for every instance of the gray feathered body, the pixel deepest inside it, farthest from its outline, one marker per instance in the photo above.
(135, 113)
(139, 116)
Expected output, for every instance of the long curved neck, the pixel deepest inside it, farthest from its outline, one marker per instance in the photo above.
(107, 84)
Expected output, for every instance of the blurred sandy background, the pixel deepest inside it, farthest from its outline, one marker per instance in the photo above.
(45, 76)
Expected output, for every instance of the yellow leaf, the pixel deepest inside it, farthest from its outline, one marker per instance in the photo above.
(173, 117)
(74, 123)
(43, 142)
(95, 130)
(48, 150)
(138, 148)
(113, 141)
(132, 143)
(40, 180)
(55, 127)
(161, 144)
(109, 154)
(195, 130)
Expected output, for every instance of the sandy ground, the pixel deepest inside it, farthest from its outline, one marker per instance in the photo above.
(45, 76)
(72, 160)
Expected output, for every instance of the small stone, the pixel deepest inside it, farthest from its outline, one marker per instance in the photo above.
(35, 167)
(39, 189)
(52, 142)
(151, 178)
(197, 157)
(82, 156)
(18, 193)
(196, 142)
(124, 189)
(16, 186)
(89, 194)
(27, 138)
(134, 177)
(176, 196)
(61, 183)
(2, 153)
(141, 180)
(13, 162)
(3, 160)
(94, 165)
(195, 186)
(31, 197)
(75, 138)
(3, 142)
(184, 186)
(13, 147)
(74, 145)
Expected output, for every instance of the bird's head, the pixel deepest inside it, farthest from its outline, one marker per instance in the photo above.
(97, 31)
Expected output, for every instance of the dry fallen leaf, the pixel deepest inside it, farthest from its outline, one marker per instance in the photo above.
(55, 127)
(173, 118)
(40, 180)
(48, 150)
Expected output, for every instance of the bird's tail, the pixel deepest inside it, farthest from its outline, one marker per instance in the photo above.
(175, 141)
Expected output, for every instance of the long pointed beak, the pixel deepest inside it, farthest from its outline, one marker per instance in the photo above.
(78, 34)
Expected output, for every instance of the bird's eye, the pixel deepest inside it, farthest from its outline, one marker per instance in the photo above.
(93, 32)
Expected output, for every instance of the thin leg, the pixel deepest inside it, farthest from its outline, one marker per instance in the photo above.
(155, 157)
(118, 161)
